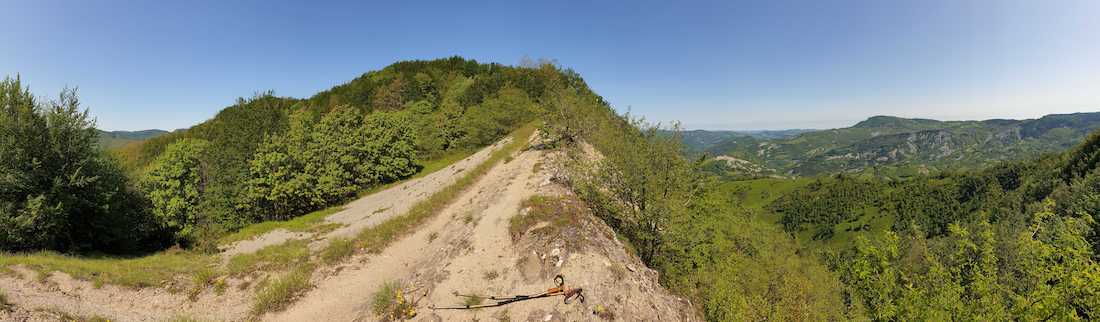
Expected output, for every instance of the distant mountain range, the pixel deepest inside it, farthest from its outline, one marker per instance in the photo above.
(891, 145)
(114, 139)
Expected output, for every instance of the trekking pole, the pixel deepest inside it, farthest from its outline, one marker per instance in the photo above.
(560, 290)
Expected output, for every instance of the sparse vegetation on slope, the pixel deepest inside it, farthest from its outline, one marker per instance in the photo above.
(683, 224)
(281, 293)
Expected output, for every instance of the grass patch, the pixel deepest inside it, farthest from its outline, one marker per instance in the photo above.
(275, 257)
(201, 279)
(376, 238)
(558, 212)
(312, 222)
(337, 250)
(153, 270)
(282, 292)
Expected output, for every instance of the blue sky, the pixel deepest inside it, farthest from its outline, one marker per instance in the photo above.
(711, 64)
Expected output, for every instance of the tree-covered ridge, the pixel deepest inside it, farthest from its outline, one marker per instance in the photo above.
(116, 139)
(269, 157)
(909, 146)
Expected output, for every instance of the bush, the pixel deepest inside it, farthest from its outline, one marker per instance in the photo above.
(317, 164)
(58, 190)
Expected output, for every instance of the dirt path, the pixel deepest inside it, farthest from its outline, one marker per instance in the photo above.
(372, 209)
(468, 248)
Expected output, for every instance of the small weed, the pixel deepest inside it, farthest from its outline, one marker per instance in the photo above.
(603, 313)
(469, 218)
(433, 236)
(200, 280)
(338, 249)
(491, 275)
(508, 159)
(380, 210)
(219, 286)
(390, 304)
(280, 293)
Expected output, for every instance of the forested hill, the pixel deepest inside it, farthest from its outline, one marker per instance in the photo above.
(115, 139)
(901, 146)
(263, 158)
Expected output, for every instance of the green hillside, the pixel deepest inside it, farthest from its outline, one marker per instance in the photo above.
(263, 158)
(985, 244)
(115, 139)
(1016, 240)
(902, 147)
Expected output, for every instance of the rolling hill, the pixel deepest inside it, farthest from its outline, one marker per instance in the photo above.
(114, 139)
(894, 146)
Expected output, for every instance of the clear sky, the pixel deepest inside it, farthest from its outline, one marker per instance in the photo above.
(712, 65)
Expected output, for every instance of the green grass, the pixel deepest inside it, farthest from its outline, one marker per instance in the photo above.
(153, 270)
(275, 257)
(376, 238)
(337, 250)
(200, 279)
(312, 222)
(280, 293)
